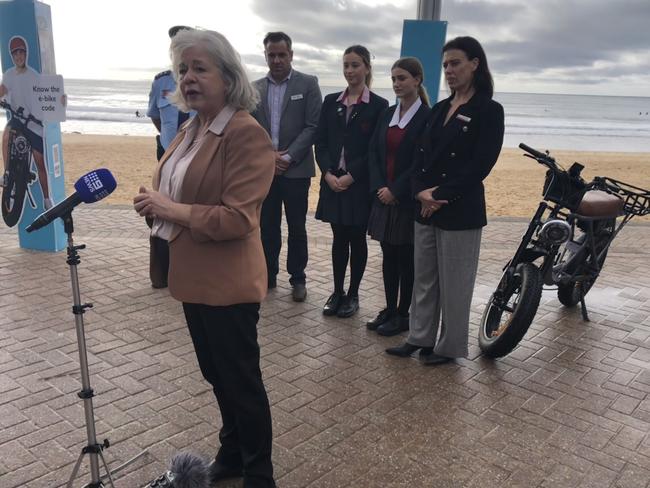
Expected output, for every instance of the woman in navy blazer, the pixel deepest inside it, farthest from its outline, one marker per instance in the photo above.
(391, 158)
(347, 122)
(459, 147)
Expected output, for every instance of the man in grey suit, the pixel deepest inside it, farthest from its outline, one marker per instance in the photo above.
(289, 109)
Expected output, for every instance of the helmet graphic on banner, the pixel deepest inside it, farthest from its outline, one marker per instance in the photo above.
(16, 43)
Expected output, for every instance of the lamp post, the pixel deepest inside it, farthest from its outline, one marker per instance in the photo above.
(429, 9)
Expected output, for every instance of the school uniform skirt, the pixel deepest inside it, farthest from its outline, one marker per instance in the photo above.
(391, 224)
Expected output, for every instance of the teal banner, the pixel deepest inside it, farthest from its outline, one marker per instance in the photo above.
(34, 101)
(424, 40)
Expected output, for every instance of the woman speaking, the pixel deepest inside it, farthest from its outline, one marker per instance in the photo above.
(206, 202)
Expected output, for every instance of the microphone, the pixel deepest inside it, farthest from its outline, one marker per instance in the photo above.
(186, 471)
(90, 188)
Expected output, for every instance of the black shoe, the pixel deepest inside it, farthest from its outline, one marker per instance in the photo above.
(218, 472)
(349, 306)
(433, 359)
(403, 351)
(403, 321)
(384, 316)
(271, 284)
(299, 292)
(333, 303)
(392, 327)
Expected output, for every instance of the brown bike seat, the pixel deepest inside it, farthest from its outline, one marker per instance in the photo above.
(597, 203)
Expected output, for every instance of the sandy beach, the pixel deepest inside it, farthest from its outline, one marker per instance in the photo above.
(513, 188)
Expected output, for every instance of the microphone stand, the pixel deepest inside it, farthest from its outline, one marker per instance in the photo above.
(93, 449)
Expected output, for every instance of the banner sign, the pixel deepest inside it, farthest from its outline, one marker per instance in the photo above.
(424, 40)
(48, 98)
(34, 99)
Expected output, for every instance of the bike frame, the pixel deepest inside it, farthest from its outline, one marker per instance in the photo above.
(14, 165)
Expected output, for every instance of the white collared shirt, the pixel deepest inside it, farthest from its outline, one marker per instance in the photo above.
(275, 96)
(403, 122)
(174, 169)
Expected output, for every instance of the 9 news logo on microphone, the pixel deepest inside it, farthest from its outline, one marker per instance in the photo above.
(95, 185)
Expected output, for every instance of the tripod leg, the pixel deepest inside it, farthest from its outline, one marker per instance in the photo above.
(108, 471)
(127, 463)
(75, 470)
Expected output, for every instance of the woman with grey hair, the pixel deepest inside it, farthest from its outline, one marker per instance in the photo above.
(206, 201)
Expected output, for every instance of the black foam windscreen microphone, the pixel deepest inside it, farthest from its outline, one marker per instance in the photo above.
(90, 188)
(186, 471)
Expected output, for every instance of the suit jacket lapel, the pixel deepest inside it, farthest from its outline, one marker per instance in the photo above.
(291, 86)
(381, 142)
(357, 110)
(196, 170)
(454, 125)
(406, 146)
(172, 147)
(263, 88)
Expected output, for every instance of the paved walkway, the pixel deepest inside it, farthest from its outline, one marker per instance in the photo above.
(570, 407)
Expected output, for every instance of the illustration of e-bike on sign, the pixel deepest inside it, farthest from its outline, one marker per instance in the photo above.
(18, 174)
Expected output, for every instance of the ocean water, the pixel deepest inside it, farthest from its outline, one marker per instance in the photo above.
(573, 122)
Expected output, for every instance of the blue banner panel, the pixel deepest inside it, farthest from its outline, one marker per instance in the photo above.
(424, 40)
(27, 50)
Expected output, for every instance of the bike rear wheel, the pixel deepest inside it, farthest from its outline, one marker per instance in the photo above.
(510, 311)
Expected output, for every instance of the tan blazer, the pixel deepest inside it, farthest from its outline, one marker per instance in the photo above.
(218, 260)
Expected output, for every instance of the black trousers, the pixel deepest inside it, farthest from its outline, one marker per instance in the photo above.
(158, 261)
(397, 270)
(225, 341)
(293, 194)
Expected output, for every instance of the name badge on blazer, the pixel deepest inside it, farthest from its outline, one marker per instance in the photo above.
(464, 118)
(297, 97)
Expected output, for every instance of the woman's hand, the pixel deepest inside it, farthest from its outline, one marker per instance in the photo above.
(333, 182)
(345, 181)
(386, 196)
(149, 203)
(429, 204)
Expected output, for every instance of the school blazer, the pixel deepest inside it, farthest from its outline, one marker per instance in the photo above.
(400, 187)
(463, 155)
(218, 260)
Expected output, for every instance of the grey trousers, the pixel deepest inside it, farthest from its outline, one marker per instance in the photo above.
(445, 271)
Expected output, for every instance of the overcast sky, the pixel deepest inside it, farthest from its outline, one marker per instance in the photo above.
(549, 46)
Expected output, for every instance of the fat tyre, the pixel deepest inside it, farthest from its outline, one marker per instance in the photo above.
(13, 197)
(500, 331)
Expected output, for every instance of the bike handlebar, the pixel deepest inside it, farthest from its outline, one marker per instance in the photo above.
(533, 152)
(19, 116)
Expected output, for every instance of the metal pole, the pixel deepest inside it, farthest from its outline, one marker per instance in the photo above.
(429, 9)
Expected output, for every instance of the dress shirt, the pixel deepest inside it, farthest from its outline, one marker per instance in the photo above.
(275, 97)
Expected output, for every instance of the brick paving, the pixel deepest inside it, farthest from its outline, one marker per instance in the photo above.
(570, 407)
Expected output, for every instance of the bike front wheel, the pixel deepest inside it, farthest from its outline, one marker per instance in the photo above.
(510, 310)
(13, 197)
